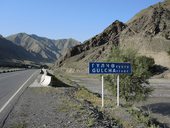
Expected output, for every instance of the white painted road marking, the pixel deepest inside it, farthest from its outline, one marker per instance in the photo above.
(11, 98)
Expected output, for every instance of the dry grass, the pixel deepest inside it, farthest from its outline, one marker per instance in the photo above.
(83, 94)
(68, 105)
(19, 125)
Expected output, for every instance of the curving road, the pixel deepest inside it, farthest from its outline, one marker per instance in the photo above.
(11, 86)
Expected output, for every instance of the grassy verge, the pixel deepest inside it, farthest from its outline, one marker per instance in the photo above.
(86, 97)
(83, 94)
(77, 111)
(124, 115)
(68, 105)
(19, 125)
(144, 118)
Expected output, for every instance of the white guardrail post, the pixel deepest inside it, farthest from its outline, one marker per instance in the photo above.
(45, 80)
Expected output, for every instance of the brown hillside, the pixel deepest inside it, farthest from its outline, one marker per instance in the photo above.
(148, 32)
(94, 49)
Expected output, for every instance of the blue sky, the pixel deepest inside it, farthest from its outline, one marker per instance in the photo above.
(56, 19)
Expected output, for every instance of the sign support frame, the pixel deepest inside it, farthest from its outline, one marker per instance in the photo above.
(118, 91)
(102, 91)
(110, 68)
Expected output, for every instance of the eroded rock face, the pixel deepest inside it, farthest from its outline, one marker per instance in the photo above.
(148, 32)
(109, 36)
(152, 21)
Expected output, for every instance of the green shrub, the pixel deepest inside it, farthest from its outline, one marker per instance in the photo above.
(145, 118)
(133, 87)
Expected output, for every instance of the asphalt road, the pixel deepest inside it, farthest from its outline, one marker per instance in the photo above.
(11, 85)
(158, 104)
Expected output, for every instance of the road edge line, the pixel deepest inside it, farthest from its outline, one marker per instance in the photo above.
(4, 106)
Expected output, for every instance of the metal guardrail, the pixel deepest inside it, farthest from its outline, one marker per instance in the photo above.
(10, 70)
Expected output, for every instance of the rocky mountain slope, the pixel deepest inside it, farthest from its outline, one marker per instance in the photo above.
(44, 49)
(9, 52)
(147, 32)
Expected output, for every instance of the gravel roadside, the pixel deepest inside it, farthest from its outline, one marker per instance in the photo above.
(42, 108)
(63, 106)
(48, 107)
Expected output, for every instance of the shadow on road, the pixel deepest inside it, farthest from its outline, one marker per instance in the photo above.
(158, 69)
(55, 82)
(159, 108)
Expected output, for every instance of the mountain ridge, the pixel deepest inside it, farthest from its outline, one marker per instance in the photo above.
(44, 49)
(148, 32)
(9, 52)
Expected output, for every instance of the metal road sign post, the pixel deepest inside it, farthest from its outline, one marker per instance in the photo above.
(102, 92)
(118, 90)
(110, 68)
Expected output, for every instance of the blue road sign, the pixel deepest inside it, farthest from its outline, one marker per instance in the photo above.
(109, 68)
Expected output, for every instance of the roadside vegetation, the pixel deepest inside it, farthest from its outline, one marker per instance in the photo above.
(134, 87)
(144, 118)
(20, 125)
(93, 101)
(124, 116)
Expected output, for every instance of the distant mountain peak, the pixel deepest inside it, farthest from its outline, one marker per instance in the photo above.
(116, 27)
(21, 34)
(1, 36)
(46, 50)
